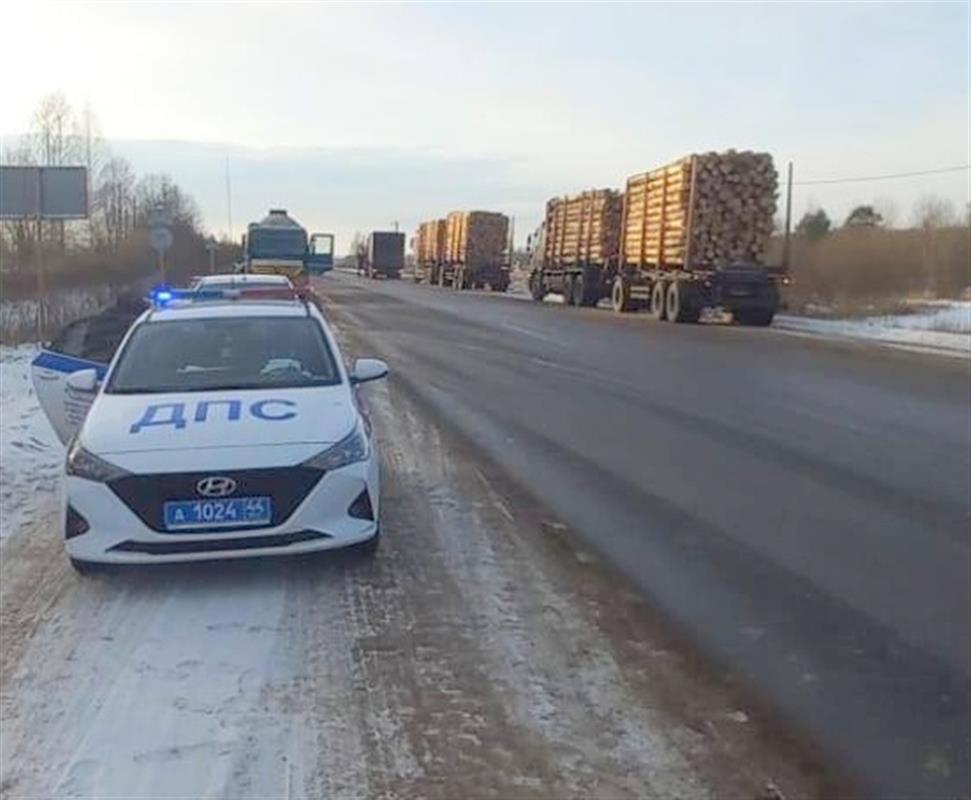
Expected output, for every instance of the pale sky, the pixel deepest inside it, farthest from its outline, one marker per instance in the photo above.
(353, 116)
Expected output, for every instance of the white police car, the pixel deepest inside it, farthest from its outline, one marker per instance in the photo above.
(220, 429)
(236, 280)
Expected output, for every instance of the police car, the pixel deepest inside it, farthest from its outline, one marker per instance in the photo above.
(223, 427)
(235, 280)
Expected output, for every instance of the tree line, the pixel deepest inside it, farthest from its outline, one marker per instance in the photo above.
(868, 260)
(112, 242)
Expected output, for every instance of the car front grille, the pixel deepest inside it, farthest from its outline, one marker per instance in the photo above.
(146, 494)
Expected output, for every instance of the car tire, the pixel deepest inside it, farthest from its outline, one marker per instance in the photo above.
(86, 568)
(369, 547)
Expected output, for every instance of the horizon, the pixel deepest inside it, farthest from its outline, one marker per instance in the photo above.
(518, 118)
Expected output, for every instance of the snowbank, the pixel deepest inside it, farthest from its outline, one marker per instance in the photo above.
(30, 454)
(942, 327)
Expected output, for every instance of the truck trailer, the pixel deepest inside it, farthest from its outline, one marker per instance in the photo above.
(429, 250)
(476, 251)
(385, 254)
(680, 239)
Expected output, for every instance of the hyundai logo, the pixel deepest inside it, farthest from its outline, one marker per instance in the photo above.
(216, 486)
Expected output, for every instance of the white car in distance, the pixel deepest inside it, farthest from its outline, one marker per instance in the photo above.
(222, 428)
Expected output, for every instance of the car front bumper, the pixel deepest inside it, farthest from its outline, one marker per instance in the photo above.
(321, 521)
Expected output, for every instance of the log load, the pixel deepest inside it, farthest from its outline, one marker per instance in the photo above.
(430, 242)
(476, 238)
(583, 228)
(701, 211)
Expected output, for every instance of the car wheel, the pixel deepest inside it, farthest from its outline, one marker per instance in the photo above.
(86, 567)
(369, 547)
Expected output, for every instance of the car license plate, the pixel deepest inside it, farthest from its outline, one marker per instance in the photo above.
(740, 291)
(232, 512)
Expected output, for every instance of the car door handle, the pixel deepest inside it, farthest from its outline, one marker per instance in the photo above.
(49, 376)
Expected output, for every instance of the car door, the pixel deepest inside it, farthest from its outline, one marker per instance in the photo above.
(65, 406)
(320, 253)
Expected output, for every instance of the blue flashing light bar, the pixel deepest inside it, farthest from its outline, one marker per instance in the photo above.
(162, 296)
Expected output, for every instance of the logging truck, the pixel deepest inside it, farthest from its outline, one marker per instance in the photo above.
(687, 237)
(466, 250)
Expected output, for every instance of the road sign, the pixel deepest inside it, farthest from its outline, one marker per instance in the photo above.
(160, 239)
(159, 217)
(43, 192)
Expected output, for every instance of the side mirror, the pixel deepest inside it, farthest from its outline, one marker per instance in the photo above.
(366, 369)
(84, 380)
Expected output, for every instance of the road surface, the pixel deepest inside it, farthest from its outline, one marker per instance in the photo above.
(799, 508)
(482, 654)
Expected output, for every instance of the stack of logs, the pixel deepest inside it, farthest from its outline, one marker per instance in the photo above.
(430, 243)
(583, 228)
(476, 238)
(730, 222)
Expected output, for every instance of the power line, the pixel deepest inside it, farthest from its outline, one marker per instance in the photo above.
(884, 177)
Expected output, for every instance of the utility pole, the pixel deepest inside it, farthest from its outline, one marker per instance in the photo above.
(229, 201)
(786, 242)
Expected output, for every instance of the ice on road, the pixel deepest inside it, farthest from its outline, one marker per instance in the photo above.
(477, 656)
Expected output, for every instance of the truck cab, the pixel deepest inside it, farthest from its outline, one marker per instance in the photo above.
(278, 245)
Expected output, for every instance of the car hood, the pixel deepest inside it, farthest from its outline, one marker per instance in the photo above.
(218, 420)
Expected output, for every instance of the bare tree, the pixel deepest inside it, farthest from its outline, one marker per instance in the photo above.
(53, 135)
(20, 235)
(930, 215)
(53, 131)
(94, 153)
(887, 208)
(160, 191)
(114, 201)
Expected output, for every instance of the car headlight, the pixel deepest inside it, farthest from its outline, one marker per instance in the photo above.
(82, 464)
(352, 448)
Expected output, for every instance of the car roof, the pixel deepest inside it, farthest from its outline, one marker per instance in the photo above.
(243, 277)
(216, 309)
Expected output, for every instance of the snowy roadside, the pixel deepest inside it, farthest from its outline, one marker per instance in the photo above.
(30, 454)
(943, 327)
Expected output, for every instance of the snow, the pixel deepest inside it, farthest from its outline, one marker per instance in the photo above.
(942, 327)
(30, 454)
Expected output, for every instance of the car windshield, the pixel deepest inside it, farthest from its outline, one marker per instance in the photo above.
(197, 355)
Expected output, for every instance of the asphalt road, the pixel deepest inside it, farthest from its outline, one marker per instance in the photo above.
(799, 507)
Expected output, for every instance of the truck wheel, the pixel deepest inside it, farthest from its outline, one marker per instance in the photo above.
(440, 277)
(620, 295)
(568, 282)
(681, 304)
(759, 318)
(537, 290)
(586, 288)
(658, 305)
